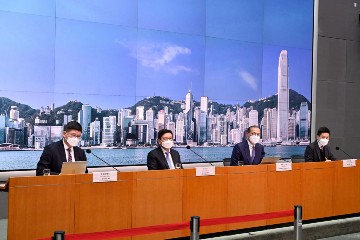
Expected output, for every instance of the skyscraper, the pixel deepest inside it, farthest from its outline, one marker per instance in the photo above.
(84, 120)
(204, 104)
(189, 106)
(109, 129)
(253, 118)
(14, 112)
(303, 126)
(139, 113)
(283, 96)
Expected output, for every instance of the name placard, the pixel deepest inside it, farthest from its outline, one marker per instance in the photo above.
(105, 176)
(205, 171)
(349, 163)
(286, 166)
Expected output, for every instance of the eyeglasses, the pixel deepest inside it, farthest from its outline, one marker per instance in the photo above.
(166, 139)
(255, 134)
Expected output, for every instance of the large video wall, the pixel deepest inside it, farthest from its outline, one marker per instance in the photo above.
(206, 69)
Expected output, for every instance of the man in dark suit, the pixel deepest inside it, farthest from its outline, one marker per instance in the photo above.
(319, 150)
(65, 150)
(250, 151)
(163, 157)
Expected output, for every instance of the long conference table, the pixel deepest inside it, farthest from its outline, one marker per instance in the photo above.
(74, 203)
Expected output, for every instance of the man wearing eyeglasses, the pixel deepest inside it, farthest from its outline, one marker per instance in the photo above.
(65, 150)
(249, 151)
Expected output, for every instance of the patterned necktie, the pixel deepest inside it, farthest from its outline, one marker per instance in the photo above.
(252, 154)
(69, 155)
(170, 163)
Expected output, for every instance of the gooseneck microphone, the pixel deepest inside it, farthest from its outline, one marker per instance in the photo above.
(89, 151)
(188, 147)
(338, 148)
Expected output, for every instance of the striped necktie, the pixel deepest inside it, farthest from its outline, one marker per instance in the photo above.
(69, 155)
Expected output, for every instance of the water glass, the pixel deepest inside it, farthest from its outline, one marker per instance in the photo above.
(46, 172)
(240, 163)
(177, 165)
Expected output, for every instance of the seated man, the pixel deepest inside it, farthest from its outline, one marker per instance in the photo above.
(163, 157)
(65, 150)
(250, 151)
(319, 150)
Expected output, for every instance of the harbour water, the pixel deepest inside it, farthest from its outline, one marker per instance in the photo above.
(12, 160)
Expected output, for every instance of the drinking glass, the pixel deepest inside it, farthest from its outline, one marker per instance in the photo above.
(46, 172)
(240, 163)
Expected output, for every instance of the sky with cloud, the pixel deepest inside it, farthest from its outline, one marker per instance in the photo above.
(112, 55)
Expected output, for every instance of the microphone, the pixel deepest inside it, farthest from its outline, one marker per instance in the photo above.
(338, 148)
(89, 151)
(188, 147)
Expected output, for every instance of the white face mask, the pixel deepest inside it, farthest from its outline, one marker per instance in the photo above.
(254, 139)
(323, 142)
(167, 144)
(73, 141)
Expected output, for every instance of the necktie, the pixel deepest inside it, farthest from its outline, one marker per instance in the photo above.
(69, 155)
(170, 163)
(252, 154)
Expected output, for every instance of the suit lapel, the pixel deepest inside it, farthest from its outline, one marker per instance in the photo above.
(162, 158)
(62, 151)
(247, 151)
(318, 151)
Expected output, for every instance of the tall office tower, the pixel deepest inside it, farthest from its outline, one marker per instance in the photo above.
(95, 131)
(161, 120)
(150, 115)
(208, 129)
(216, 136)
(292, 126)
(253, 118)
(202, 137)
(171, 126)
(139, 113)
(283, 96)
(197, 119)
(85, 121)
(122, 114)
(180, 128)
(221, 126)
(166, 109)
(204, 104)
(67, 119)
(266, 126)
(109, 130)
(303, 126)
(14, 113)
(273, 123)
(189, 105)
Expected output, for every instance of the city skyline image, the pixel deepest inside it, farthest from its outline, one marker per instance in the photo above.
(205, 69)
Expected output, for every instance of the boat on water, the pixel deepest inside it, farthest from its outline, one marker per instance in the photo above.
(269, 143)
(304, 143)
(288, 143)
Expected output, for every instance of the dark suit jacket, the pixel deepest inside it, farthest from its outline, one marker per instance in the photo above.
(241, 152)
(156, 159)
(312, 153)
(54, 155)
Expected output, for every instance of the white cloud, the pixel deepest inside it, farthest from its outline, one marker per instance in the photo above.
(159, 56)
(249, 79)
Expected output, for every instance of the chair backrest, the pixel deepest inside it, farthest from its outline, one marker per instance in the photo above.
(297, 158)
(226, 161)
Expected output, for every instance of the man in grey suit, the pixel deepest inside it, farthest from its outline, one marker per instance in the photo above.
(163, 157)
